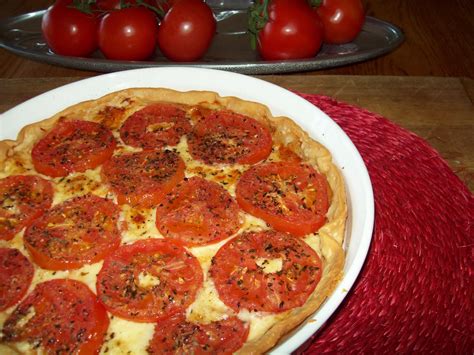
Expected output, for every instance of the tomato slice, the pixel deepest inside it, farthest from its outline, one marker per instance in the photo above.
(265, 271)
(175, 335)
(62, 316)
(22, 199)
(144, 178)
(149, 280)
(225, 137)
(16, 273)
(155, 126)
(290, 196)
(198, 212)
(82, 230)
(73, 146)
(286, 154)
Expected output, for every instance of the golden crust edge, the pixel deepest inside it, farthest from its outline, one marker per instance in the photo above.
(5, 147)
(317, 155)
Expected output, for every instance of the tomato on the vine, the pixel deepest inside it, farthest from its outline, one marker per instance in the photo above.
(186, 31)
(342, 20)
(128, 34)
(69, 31)
(293, 30)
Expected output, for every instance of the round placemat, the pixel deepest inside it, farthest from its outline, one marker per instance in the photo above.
(415, 291)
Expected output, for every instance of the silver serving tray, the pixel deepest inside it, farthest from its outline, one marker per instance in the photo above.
(230, 49)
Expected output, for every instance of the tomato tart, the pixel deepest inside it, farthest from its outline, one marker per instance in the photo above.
(156, 221)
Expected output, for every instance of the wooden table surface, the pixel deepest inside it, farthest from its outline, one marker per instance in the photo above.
(425, 85)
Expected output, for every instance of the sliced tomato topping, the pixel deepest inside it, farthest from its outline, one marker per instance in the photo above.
(290, 196)
(175, 335)
(198, 212)
(61, 316)
(286, 154)
(225, 137)
(73, 146)
(16, 273)
(265, 271)
(82, 230)
(155, 126)
(149, 280)
(22, 199)
(144, 178)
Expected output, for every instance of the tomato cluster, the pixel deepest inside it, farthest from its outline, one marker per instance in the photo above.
(295, 29)
(130, 30)
(184, 29)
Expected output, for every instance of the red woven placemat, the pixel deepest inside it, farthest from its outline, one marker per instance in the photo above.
(415, 291)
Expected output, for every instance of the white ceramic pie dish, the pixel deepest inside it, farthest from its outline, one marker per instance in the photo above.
(281, 103)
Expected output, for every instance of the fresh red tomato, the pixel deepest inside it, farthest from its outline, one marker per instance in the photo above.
(176, 335)
(149, 280)
(186, 31)
(82, 230)
(293, 31)
(265, 271)
(16, 273)
(69, 31)
(342, 20)
(155, 126)
(128, 34)
(290, 196)
(225, 137)
(198, 212)
(59, 317)
(73, 146)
